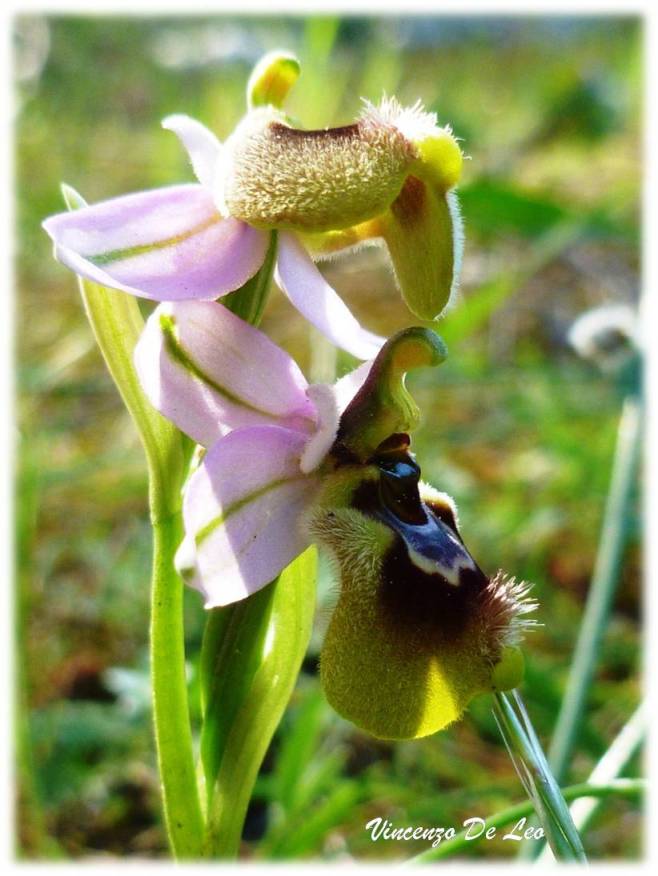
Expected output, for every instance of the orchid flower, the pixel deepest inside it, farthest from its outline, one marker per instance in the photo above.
(389, 176)
(418, 629)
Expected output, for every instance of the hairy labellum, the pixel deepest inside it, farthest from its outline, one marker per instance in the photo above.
(418, 629)
(277, 176)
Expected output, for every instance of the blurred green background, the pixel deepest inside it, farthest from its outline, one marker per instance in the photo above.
(516, 426)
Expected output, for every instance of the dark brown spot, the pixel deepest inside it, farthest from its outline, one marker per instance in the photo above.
(366, 498)
(427, 603)
(294, 135)
(400, 441)
(410, 205)
(342, 455)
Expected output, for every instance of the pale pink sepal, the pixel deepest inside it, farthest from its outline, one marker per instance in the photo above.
(243, 511)
(209, 372)
(167, 244)
(302, 282)
(203, 148)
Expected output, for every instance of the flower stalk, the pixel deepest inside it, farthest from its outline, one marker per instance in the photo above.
(607, 771)
(621, 788)
(170, 710)
(536, 777)
(604, 583)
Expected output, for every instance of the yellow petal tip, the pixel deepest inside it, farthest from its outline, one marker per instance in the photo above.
(272, 78)
(439, 159)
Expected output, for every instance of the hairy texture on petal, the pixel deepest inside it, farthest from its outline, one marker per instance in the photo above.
(439, 158)
(277, 176)
(392, 674)
(506, 602)
(304, 285)
(413, 122)
(167, 244)
(209, 372)
(201, 145)
(243, 511)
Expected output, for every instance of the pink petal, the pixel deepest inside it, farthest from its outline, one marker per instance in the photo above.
(330, 402)
(209, 372)
(243, 512)
(201, 145)
(167, 244)
(307, 289)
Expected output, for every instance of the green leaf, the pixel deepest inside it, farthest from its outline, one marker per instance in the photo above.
(248, 302)
(311, 830)
(494, 207)
(297, 750)
(252, 653)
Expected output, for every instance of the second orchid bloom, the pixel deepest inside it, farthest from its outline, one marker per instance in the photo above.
(388, 177)
(418, 628)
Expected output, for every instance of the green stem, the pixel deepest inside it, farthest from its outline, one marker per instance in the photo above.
(613, 762)
(535, 774)
(170, 707)
(117, 323)
(630, 788)
(604, 582)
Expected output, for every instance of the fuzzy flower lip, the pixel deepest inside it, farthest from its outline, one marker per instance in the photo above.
(388, 177)
(224, 383)
(421, 226)
(419, 629)
(174, 244)
(313, 180)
